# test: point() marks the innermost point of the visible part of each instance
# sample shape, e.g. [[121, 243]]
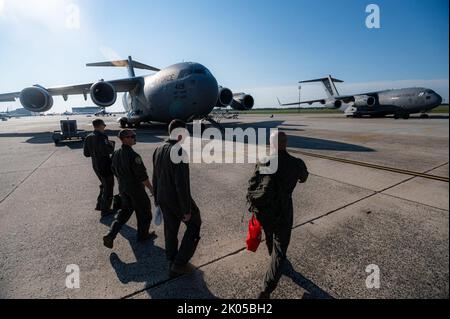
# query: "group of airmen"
[[170, 187]]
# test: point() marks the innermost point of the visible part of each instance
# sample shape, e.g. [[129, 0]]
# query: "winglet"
[[279, 103]]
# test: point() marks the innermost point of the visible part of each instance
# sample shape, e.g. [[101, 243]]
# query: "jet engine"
[[333, 104], [364, 100], [36, 99], [242, 102], [103, 94], [225, 97]]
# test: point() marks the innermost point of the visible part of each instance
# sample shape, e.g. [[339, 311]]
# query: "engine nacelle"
[[36, 99], [336, 104], [364, 100], [242, 102], [225, 97], [103, 94]]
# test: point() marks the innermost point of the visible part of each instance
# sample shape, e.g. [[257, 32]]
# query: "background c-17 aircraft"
[[399, 102], [186, 91]]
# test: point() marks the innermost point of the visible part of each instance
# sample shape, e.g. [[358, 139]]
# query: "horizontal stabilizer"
[[130, 64], [328, 84], [124, 63], [321, 80]]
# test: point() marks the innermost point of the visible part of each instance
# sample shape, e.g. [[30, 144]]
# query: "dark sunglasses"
[[131, 136]]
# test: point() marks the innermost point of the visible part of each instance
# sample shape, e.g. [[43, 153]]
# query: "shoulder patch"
[[138, 160]]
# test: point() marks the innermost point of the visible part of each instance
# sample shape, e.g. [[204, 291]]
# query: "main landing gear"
[[402, 115]]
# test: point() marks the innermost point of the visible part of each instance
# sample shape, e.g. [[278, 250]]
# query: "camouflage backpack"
[[262, 198]]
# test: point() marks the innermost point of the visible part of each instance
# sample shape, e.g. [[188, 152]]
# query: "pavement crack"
[[310, 221], [26, 177]]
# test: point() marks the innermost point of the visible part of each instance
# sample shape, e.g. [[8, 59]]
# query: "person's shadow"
[[191, 286], [151, 268], [150, 261], [312, 290]]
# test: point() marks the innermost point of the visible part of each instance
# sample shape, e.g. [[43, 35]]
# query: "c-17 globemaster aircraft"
[[186, 91], [399, 102]]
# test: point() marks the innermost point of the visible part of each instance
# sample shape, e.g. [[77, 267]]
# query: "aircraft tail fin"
[[130, 64], [328, 83]]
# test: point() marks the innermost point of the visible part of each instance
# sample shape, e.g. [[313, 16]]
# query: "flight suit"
[[130, 171], [171, 187], [291, 170], [99, 149]]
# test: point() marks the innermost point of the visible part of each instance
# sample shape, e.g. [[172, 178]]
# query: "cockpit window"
[[184, 73], [200, 71]]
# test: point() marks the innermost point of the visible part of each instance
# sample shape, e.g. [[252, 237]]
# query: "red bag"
[[254, 234]]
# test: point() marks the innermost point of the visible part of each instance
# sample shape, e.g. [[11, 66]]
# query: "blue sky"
[[263, 47]]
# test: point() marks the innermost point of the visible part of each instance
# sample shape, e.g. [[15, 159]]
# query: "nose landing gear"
[[123, 122]]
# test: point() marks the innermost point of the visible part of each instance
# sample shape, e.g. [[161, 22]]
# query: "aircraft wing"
[[343, 98], [302, 102], [123, 85], [9, 97], [351, 98]]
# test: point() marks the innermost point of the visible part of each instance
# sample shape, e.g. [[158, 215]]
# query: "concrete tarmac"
[[347, 217]]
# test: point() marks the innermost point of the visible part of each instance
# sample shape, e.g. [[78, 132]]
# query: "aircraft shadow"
[[147, 134], [46, 138], [301, 142], [312, 290], [151, 268], [142, 136], [438, 117]]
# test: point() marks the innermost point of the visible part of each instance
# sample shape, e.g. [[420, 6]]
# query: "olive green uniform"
[[99, 149], [291, 170], [171, 186], [130, 171]]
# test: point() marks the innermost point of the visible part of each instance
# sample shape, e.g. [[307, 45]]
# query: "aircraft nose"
[[438, 99], [207, 94]]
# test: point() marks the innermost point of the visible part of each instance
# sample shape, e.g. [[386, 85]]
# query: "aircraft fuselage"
[[400, 102], [185, 91]]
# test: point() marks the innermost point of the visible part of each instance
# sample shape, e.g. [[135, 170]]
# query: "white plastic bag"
[[158, 216]]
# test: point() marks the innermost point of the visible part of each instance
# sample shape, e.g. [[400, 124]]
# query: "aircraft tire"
[[424, 116], [405, 116], [123, 124]]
